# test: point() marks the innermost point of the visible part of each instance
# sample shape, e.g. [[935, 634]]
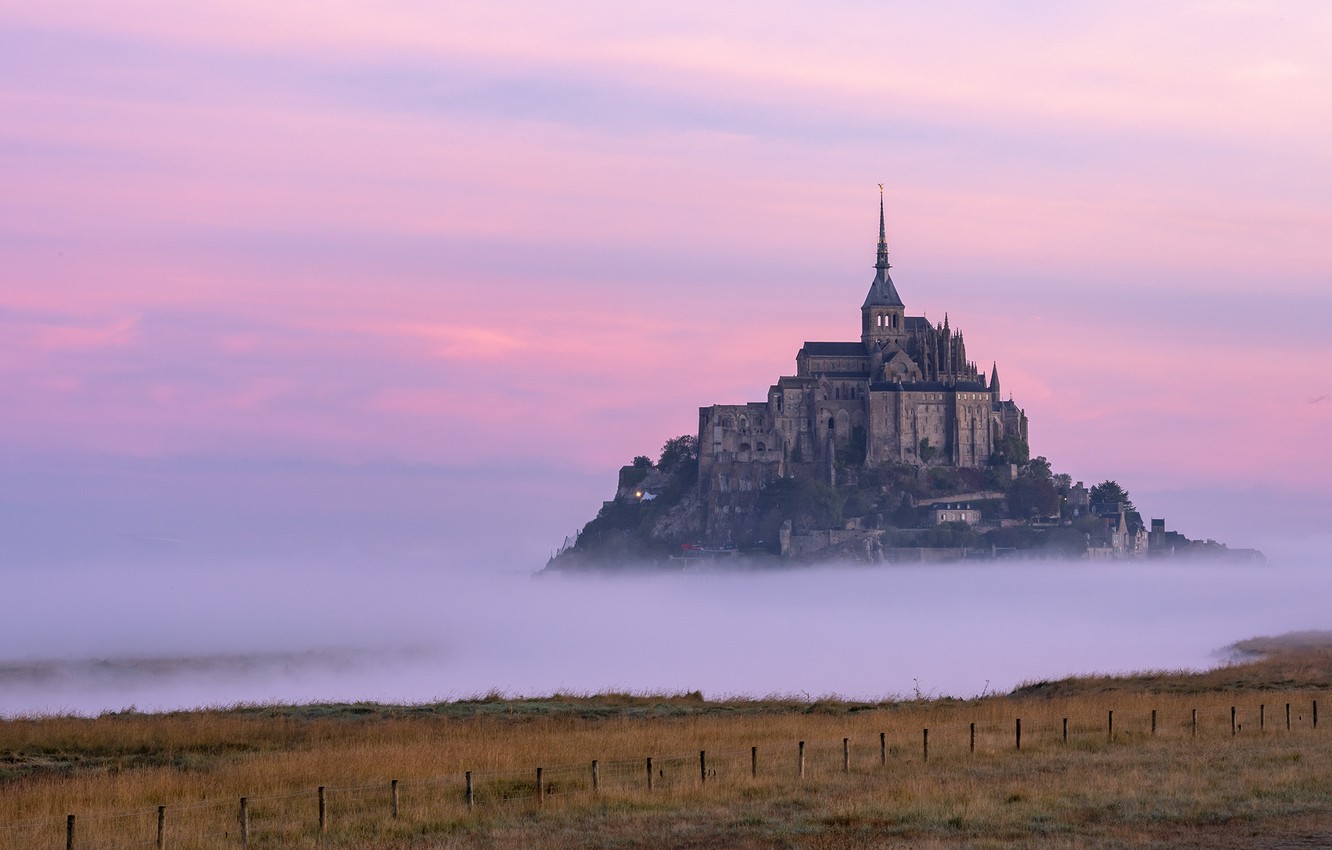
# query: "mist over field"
[[180, 585], [161, 585], [88, 640]]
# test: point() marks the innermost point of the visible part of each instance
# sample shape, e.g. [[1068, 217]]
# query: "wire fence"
[[301, 817]]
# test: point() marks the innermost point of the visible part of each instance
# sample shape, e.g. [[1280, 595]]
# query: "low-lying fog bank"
[[90, 640]]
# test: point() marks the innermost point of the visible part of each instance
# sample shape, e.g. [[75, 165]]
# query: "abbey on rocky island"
[[904, 393]]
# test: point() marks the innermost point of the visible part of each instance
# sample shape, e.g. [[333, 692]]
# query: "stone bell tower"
[[882, 316]]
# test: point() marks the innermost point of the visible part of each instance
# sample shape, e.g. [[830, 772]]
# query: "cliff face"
[[656, 515], [652, 515], [899, 513]]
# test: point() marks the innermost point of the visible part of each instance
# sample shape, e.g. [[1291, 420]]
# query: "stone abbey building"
[[904, 393]]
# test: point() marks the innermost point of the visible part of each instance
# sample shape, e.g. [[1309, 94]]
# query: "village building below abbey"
[[904, 393]]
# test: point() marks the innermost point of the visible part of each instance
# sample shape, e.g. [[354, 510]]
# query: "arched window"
[[744, 447], [763, 447]]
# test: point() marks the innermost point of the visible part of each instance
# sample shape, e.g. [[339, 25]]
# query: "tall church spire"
[[882, 292], [883, 238], [882, 316]]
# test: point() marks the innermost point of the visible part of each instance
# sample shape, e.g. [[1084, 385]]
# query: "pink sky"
[[532, 239]]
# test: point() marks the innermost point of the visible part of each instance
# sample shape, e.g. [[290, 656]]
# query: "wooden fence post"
[[596, 778], [753, 762], [846, 755], [1232, 720], [1262, 717], [161, 828], [471, 797], [702, 767], [1287, 717], [323, 811], [1065, 730], [1110, 726], [1018, 732], [649, 772], [540, 789], [393, 798], [69, 832], [1315, 714], [925, 745], [801, 760], [883, 749], [245, 823], [973, 737], [1194, 722], [1153, 721]]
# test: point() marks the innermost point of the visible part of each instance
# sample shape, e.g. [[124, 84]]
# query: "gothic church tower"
[[882, 316], [905, 393]]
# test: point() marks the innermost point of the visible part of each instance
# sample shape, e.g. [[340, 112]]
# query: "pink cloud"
[[560, 275], [118, 333], [460, 342]]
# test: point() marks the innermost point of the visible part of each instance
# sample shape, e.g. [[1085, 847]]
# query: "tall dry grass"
[[1121, 784]]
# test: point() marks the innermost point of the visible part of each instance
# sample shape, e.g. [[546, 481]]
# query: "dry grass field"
[[868, 781]]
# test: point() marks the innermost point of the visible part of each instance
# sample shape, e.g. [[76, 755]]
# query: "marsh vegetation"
[[1114, 781]]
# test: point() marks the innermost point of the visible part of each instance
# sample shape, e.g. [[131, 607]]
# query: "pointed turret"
[[882, 292], [994, 381], [882, 314], [882, 261]]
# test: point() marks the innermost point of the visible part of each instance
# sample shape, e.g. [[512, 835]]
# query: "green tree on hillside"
[[1109, 492], [853, 453], [677, 453], [1011, 450], [1033, 494], [906, 515], [808, 503]]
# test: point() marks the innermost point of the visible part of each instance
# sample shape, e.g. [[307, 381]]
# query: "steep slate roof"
[[835, 349], [882, 293]]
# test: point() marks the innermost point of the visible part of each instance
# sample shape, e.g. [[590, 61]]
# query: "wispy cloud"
[[83, 337]]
